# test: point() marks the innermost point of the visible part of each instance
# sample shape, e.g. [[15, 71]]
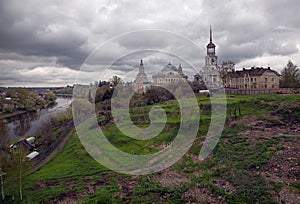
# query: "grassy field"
[[241, 168]]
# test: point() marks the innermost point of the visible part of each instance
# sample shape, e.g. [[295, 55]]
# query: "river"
[[29, 123]]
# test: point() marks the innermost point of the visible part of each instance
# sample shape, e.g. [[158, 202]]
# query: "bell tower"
[[210, 74], [211, 58]]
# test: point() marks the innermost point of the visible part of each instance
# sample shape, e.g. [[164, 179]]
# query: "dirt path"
[[57, 149]]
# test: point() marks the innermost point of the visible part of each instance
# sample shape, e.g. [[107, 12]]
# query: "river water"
[[29, 123]]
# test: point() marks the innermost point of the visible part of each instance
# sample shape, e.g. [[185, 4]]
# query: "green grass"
[[72, 161], [234, 159]]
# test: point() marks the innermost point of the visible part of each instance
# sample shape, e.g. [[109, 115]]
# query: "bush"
[[156, 94]]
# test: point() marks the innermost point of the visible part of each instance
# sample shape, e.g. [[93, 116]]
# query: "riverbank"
[[8, 115], [23, 123], [21, 112]]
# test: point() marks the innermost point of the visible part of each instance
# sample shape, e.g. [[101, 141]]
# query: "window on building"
[[266, 79], [266, 86], [251, 79], [273, 80], [255, 79]]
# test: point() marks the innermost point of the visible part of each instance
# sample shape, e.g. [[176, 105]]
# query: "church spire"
[[210, 39], [141, 67]]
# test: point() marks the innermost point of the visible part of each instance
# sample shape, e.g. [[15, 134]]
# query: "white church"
[[210, 73], [168, 74]]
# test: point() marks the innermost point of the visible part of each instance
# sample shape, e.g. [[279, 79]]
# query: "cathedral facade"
[[169, 74], [210, 73]]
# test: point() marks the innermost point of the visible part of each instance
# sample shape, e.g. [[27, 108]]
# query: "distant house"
[[32, 155], [24, 143], [253, 78]]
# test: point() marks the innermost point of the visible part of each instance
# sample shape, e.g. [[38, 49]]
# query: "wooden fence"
[[262, 91]]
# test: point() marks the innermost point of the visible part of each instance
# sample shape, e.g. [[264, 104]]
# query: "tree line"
[[22, 99]]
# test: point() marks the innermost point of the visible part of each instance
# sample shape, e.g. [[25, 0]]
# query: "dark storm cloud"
[[46, 35], [39, 32]]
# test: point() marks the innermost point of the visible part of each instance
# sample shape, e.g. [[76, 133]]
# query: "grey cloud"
[[64, 33]]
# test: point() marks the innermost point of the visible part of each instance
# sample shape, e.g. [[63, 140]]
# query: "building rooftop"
[[169, 67], [253, 71]]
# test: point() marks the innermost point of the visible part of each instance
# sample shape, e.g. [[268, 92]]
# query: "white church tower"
[[211, 58], [210, 72], [141, 78]]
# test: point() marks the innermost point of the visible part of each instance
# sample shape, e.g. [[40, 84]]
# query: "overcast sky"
[[45, 43]]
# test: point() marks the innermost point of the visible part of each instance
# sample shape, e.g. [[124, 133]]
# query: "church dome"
[[169, 67], [210, 44]]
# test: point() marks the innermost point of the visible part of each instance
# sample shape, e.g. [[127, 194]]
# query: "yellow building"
[[253, 78]]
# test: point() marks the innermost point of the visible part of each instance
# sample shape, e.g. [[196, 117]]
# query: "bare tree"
[[5, 151], [290, 76], [2, 188], [226, 68], [115, 80]]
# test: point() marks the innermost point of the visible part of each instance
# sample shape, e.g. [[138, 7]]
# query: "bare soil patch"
[[288, 196], [127, 186], [222, 183], [170, 178], [201, 195]]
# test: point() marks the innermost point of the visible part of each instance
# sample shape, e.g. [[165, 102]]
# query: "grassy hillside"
[[256, 160]]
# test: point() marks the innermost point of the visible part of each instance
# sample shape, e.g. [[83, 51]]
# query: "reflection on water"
[[29, 123]]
